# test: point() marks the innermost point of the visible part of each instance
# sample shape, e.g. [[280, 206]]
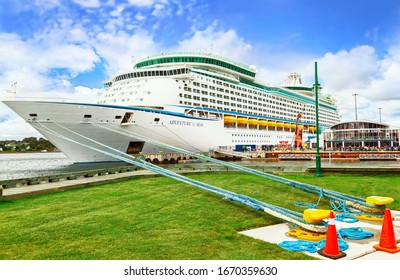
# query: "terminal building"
[[361, 135]]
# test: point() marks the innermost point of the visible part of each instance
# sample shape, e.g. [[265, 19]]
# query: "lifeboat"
[[312, 128], [253, 121], [271, 123], [262, 123], [229, 119], [242, 120], [287, 125], [279, 124]]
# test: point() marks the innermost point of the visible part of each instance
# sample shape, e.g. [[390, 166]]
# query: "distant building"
[[361, 135]]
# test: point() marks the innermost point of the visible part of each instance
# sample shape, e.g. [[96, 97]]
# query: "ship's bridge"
[[203, 60]]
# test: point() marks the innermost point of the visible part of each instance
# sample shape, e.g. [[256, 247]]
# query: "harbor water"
[[28, 165]]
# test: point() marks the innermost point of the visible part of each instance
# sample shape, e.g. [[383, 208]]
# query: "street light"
[[355, 103], [318, 172]]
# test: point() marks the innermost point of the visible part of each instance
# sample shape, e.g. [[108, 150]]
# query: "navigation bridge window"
[[202, 114], [152, 73]]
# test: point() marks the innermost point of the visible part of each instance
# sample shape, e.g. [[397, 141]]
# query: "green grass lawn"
[[159, 218]]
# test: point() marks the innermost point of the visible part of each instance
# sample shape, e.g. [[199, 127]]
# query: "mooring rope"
[[309, 204], [329, 194], [259, 205], [355, 233]]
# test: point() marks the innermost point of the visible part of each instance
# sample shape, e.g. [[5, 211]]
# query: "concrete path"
[[19, 192], [358, 249], [63, 185]]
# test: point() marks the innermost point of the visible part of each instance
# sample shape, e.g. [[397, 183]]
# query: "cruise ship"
[[196, 101]]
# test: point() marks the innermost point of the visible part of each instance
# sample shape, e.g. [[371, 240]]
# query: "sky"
[[67, 48]]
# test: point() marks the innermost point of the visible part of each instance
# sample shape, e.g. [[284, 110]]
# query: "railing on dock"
[[22, 182]]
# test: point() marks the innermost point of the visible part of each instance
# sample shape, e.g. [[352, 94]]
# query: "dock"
[[25, 187]]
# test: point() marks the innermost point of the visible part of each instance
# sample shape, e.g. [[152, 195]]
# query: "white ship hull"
[[68, 127]]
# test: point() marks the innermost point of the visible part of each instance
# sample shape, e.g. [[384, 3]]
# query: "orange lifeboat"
[[242, 120], [253, 121], [262, 123], [229, 119]]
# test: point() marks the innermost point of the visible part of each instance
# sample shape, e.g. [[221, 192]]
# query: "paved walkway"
[[43, 188], [19, 192], [358, 249]]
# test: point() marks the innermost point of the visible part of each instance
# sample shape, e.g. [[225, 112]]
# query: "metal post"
[[380, 115], [355, 103], [318, 172]]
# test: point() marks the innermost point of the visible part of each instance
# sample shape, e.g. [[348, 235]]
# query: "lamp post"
[[355, 103], [380, 115], [318, 172]]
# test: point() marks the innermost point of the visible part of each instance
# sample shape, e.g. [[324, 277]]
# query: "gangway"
[[287, 215], [336, 198]]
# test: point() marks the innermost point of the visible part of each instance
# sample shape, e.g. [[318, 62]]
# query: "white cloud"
[[88, 3], [139, 17], [141, 3], [15, 128], [118, 49], [159, 9], [32, 65], [354, 68], [18, 54], [211, 40], [118, 11], [85, 94], [360, 71], [78, 34]]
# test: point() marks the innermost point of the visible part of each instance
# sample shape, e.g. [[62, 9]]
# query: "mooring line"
[[279, 212]]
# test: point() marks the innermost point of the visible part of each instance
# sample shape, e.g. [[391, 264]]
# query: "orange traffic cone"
[[331, 249], [387, 242]]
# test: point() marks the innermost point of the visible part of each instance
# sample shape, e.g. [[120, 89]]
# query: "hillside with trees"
[[30, 144]]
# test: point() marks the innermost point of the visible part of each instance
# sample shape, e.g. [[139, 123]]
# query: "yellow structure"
[[241, 120], [379, 200], [315, 215], [229, 119]]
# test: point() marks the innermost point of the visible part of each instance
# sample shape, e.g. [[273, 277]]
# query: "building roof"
[[382, 125]]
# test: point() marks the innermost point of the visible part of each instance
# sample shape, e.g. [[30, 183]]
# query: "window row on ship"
[[207, 78], [274, 102], [278, 107], [264, 109]]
